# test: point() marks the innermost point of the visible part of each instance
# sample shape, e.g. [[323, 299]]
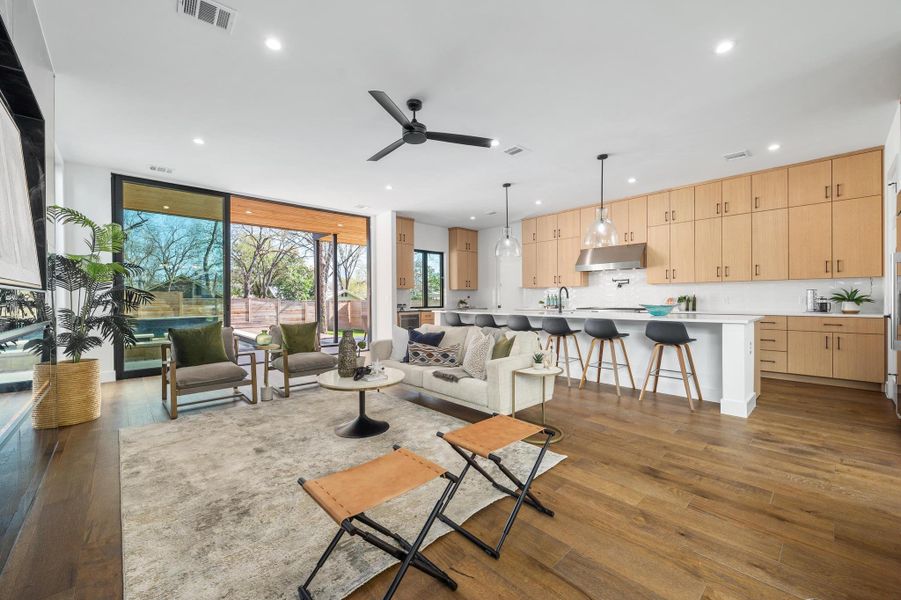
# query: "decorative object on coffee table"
[[362, 426], [347, 354], [264, 338]]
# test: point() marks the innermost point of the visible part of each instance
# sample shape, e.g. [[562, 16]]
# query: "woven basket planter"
[[74, 395]]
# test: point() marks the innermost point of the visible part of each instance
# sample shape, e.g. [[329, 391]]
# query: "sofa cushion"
[[193, 346], [502, 347], [453, 336], [470, 389], [307, 362], [418, 337], [210, 374], [300, 337], [526, 342], [477, 356], [433, 356], [413, 374], [399, 339]]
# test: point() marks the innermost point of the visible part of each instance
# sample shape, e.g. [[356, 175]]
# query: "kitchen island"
[[724, 353]]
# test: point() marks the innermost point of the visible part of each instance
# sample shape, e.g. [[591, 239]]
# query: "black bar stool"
[[452, 319], [520, 323], [604, 331], [486, 321], [669, 333], [558, 327]]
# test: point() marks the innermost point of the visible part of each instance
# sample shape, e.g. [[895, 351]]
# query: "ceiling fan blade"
[[389, 105], [456, 138], [387, 150]]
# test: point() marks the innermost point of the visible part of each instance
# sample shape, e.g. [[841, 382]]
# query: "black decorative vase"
[[347, 355]]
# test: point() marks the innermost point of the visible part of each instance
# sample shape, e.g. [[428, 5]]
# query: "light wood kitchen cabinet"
[[737, 195], [530, 265], [529, 231], [404, 227], [658, 254], [463, 240], [769, 190], [682, 205], [404, 266], [709, 200], [568, 250], [638, 220], [546, 261], [586, 218], [658, 209], [619, 214], [774, 361], [708, 250], [857, 237], [769, 245], [859, 357], [736, 247], [773, 340], [810, 353], [569, 224], [682, 252], [547, 228], [810, 183], [857, 176], [810, 241], [463, 258]]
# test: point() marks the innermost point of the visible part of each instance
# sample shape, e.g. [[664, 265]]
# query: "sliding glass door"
[[175, 235]]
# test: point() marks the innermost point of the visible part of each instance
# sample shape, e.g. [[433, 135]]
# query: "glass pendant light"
[[602, 231], [508, 246]]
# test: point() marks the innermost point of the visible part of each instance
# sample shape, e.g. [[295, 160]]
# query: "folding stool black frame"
[[522, 493], [407, 553]]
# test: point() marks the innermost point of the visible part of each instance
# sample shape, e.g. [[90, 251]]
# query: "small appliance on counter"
[[818, 304]]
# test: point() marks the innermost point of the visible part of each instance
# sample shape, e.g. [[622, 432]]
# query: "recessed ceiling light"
[[538, 202], [725, 46], [472, 218], [199, 141], [361, 206], [495, 143], [248, 212], [773, 147], [631, 180], [340, 224], [389, 187], [165, 207], [273, 43]]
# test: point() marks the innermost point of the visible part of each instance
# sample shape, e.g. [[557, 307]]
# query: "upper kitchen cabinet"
[[463, 258], [810, 183], [810, 241], [769, 189], [682, 252], [530, 265], [638, 220], [708, 250], [857, 237], [769, 245], [568, 250], [569, 224], [404, 252], [737, 195], [529, 231], [709, 200], [619, 215], [658, 254], [546, 264], [682, 205], [857, 176], [547, 228], [463, 240], [736, 247], [404, 228], [658, 209]]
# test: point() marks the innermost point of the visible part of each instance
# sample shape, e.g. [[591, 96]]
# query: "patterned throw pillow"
[[477, 355], [424, 355]]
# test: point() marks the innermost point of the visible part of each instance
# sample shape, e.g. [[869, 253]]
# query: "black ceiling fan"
[[414, 132]]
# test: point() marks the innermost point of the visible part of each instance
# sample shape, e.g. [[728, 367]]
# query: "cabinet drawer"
[[837, 324], [772, 339], [770, 322], [773, 361]]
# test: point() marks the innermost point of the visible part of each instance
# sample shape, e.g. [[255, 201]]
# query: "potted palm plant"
[[851, 300], [98, 309]]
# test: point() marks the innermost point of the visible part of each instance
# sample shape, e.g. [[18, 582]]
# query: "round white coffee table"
[[362, 426]]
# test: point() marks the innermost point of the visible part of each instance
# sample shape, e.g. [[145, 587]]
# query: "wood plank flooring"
[[802, 500]]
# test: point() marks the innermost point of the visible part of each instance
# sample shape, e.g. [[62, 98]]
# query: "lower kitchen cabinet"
[[858, 356], [810, 353]]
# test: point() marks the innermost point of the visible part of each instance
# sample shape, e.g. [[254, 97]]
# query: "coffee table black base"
[[362, 426]]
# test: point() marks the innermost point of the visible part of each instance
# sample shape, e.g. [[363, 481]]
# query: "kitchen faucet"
[[560, 298]]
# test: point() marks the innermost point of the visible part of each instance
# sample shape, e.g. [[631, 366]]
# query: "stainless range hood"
[[611, 258]]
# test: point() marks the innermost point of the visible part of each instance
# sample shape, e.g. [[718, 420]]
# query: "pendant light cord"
[[602, 184], [507, 207]]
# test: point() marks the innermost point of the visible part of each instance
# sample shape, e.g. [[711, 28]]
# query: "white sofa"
[[494, 394]]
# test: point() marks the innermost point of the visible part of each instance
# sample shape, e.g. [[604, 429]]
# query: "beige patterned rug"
[[211, 508]]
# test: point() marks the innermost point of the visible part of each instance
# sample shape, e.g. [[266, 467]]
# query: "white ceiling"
[[567, 79]]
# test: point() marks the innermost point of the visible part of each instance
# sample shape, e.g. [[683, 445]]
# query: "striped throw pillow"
[[424, 355]]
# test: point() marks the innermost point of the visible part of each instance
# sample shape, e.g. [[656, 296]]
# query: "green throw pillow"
[[299, 338], [502, 347], [198, 345]]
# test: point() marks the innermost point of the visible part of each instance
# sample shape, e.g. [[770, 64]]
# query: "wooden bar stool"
[[605, 332], [347, 495], [670, 333], [558, 328], [484, 439]]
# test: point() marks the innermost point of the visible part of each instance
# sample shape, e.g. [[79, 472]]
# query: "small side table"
[[541, 374], [268, 349]]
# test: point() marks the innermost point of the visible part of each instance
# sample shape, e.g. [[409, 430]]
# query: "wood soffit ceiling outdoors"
[[351, 229]]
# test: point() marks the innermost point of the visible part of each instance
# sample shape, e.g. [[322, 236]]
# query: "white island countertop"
[[685, 317]]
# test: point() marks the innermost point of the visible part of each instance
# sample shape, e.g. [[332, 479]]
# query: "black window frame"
[[424, 283]]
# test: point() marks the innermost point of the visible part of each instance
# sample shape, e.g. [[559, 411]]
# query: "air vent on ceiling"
[[737, 155], [516, 150], [211, 13], [160, 169]]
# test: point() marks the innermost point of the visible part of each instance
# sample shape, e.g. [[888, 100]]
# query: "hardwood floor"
[[802, 500]]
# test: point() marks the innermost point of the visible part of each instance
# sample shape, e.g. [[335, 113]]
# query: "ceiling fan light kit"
[[602, 231], [508, 246]]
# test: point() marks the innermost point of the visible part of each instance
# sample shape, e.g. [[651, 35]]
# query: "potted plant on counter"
[[98, 303], [851, 300]]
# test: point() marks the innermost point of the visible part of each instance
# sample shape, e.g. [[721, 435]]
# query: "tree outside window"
[[428, 277]]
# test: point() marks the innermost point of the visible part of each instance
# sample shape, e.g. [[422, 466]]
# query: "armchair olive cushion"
[[300, 337], [194, 346]]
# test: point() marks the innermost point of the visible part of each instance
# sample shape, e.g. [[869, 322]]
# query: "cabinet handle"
[[717, 271], [839, 340], [838, 265], [717, 208], [827, 266], [827, 191], [672, 215], [534, 280], [832, 325], [838, 190], [827, 341], [674, 274], [725, 207], [768, 340], [632, 238], [667, 273], [768, 361], [756, 201], [757, 269], [666, 216], [768, 322]]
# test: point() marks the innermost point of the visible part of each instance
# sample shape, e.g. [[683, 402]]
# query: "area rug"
[[211, 508]]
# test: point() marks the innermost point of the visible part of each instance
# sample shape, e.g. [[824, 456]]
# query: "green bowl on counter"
[[659, 310]]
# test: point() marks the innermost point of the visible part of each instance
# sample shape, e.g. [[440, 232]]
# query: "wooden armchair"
[[183, 381], [300, 364]]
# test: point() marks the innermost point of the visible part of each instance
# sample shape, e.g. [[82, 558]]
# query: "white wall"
[[382, 287]]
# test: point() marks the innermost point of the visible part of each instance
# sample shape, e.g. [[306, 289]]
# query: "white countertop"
[[685, 317]]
